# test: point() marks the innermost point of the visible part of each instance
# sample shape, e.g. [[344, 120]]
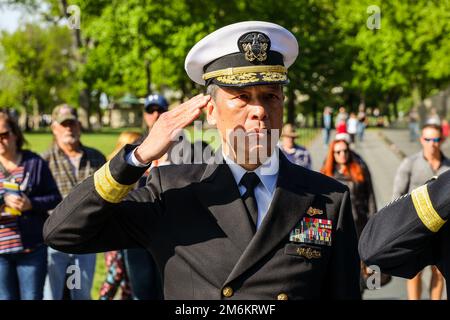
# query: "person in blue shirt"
[[327, 124], [295, 153]]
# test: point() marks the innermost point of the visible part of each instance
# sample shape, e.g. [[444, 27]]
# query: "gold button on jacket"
[[227, 292], [282, 296]]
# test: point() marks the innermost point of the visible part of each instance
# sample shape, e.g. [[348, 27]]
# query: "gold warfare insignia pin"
[[313, 212]]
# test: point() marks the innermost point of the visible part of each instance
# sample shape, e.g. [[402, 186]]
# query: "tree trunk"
[[40, 111], [418, 102], [445, 94], [148, 76], [315, 111], [349, 101], [25, 103], [97, 108], [386, 108], [35, 115], [76, 32], [85, 103], [183, 89], [395, 101], [84, 97], [99, 115]]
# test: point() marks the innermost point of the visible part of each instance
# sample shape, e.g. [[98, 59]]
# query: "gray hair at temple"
[[211, 90]]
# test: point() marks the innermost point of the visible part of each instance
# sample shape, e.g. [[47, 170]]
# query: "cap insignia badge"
[[254, 45]]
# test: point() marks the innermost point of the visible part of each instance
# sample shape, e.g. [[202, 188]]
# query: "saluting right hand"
[[167, 127]]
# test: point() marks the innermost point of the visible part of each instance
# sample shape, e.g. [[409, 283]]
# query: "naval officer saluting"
[[248, 225]]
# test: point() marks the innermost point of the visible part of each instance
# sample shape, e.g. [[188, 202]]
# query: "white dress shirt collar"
[[267, 172]]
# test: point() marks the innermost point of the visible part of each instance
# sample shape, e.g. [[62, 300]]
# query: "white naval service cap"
[[243, 54]]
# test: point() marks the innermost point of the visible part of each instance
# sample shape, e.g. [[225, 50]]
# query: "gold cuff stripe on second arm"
[[238, 70], [107, 187], [425, 210]]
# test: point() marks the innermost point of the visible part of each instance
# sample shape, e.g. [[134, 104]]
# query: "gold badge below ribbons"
[[309, 253], [424, 208], [107, 187]]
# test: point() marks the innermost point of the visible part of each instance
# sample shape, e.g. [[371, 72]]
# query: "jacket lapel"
[[219, 193], [289, 204]]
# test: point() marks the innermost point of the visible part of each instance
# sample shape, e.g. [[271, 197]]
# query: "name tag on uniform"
[[303, 251], [312, 230]]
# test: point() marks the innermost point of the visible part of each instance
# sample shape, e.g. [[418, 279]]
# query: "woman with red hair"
[[347, 167]]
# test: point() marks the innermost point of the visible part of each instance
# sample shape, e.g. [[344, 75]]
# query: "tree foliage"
[[36, 69], [139, 46]]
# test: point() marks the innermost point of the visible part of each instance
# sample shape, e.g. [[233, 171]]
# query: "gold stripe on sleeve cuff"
[[107, 187], [424, 208]]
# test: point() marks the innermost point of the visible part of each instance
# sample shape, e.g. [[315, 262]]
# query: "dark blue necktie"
[[250, 181]]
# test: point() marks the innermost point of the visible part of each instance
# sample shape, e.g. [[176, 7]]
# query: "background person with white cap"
[[258, 227]]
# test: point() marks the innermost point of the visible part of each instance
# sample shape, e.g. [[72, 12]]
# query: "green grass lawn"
[[105, 141], [40, 142]]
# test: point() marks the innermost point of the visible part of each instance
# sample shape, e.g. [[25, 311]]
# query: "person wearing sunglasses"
[[346, 166], [413, 172], [154, 106], [349, 168]]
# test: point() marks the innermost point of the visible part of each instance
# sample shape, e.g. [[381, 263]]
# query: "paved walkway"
[[383, 163]]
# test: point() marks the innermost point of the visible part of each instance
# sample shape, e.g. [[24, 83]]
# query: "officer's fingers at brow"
[[196, 100], [193, 103], [184, 106], [197, 113], [193, 99], [170, 122], [193, 115], [183, 113], [201, 103], [182, 121], [205, 101], [172, 113], [187, 118]]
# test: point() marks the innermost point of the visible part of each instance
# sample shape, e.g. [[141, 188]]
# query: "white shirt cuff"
[[131, 160]]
